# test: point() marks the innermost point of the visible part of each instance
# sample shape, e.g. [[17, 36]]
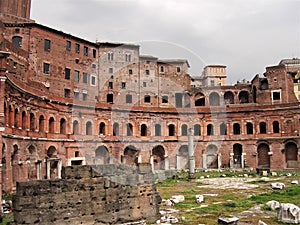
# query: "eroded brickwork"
[[108, 194]]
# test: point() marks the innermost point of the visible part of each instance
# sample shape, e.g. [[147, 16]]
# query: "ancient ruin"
[[68, 101], [103, 194]]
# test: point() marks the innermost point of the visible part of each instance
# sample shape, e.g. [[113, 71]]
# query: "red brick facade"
[[68, 101]]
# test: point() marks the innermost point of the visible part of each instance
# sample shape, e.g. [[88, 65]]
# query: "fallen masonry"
[[103, 194]]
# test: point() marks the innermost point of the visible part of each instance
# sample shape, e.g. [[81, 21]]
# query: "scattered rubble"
[[273, 204], [177, 199], [289, 213], [231, 221], [199, 198], [294, 182], [277, 186]]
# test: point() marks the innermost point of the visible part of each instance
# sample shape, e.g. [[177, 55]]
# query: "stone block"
[[289, 213], [273, 204], [277, 186]]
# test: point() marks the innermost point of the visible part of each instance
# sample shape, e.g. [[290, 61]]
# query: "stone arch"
[[63, 126], [102, 155], [52, 152], [116, 128], [130, 156], [158, 156], [244, 97], [291, 155], [75, 127], [171, 129], [32, 122], [88, 128], [53, 163], [236, 128], [199, 99], [41, 123], [102, 128], [24, 120], [184, 129], [144, 130], [237, 155], [263, 156], [264, 84], [211, 156], [182, 159], [214, 99], [229, 97], [51, 126]]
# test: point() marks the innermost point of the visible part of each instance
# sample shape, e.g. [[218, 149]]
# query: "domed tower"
[[15, 10]]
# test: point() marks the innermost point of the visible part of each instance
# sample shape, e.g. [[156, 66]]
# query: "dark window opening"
[[210, 129], [197, 130], [249, 128], [143, 130], [68, 45], [123, 85], [276, 95], [102, 129], [165, 99], [157, 130], [129, 129], [46, 68], [94, 53], [47, 45], [184, 130], [85, 51], [223, 129], [84, 96], [128, 98], [67, 93], [276, 128], [67, 74], [77, 48], [17, 41], [236, 128], [109, 98], [147, 72], [171, 130], [116, 129], [110, 85], [147, 99], [262, 127], [76, 76]]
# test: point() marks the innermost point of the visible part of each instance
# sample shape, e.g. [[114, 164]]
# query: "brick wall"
[[108, 194]]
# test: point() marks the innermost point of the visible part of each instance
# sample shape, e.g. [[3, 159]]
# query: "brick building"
[[69, 101]]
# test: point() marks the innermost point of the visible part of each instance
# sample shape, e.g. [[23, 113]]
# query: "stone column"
[[219, 161], [204, 161], [191, 153]]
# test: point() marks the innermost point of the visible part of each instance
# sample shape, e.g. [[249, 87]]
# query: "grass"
[[228, 202]]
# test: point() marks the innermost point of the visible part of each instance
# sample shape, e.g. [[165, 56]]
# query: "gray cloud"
[[245, 35]]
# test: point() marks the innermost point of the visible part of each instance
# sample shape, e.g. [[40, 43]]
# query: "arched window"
[[24, 120], [51, 125], [102, 128], [244, 97], [88, 128], [262, 128], [236, 128], [197, 130], [249, 128], [41, 124], [214, 99], [32, 122], [223, 129], [210, 129], [129, 129], [184, 130], [229, 97], [17, 41], [16, 118], [199, 99], [143, 130], [75, 127], [171, 129], [276, 128], [116, 129], [63, 126], [11, 116], [157, 130]]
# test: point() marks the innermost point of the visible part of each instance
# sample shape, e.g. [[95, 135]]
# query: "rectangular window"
[[85, 51], [128, 98], [84, 96], [212, 83], [128, 57], [110, 70], [178, 69], [67, 73], [165, 99], [46, 68], [147, 99], [110, 85], [85, 78], [276, 95], [110, 56], [47, 45], [123, 85], [93, 80], [76, 76], [130, 71], [76, 95], [162, 69], [77, 48], [93, 65], [67, 93], [94, 53], [68, 45], [147, 72], [144, 84]]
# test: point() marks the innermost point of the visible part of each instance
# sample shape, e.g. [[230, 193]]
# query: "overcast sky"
[[244, 35]]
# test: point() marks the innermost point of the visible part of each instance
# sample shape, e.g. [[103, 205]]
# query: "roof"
[[174, 61], [148, 57], [222, 66]]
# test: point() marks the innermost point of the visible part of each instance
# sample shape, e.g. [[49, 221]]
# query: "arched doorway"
[[158, 154], [15, 160], [263, 156], [101, 156], [237, 155], [33, 164], [54, 164], [291, 155], [131, 155], [182, 158], [211, 157]]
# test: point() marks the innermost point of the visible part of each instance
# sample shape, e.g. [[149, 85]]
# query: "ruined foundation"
[[104, 194]]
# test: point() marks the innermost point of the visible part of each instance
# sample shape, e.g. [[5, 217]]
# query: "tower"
[[15, 10]]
